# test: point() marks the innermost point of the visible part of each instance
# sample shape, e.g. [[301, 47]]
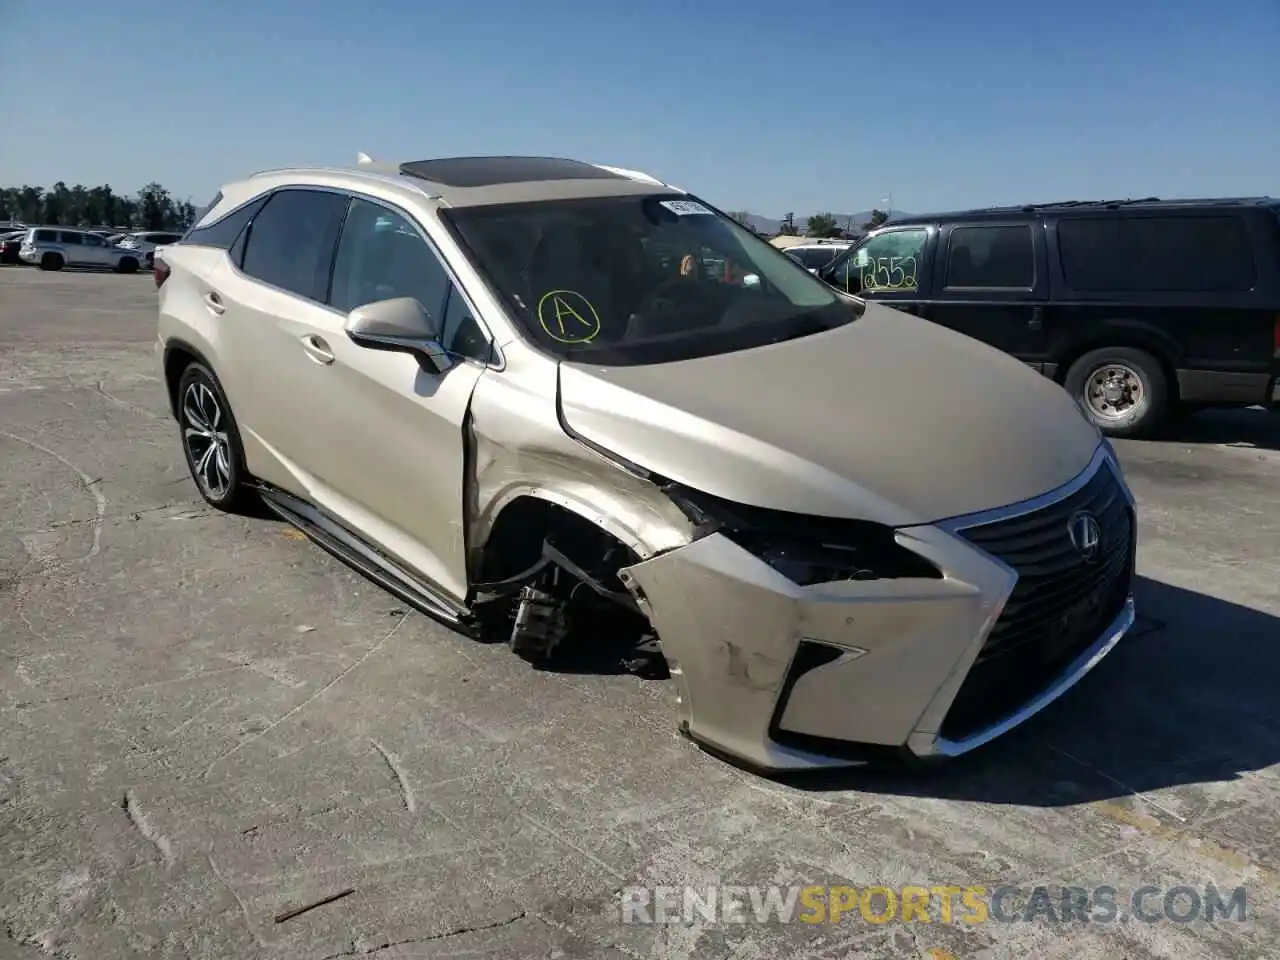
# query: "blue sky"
[[757, 104]]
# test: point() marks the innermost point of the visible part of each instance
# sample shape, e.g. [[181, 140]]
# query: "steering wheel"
[[692, 285]]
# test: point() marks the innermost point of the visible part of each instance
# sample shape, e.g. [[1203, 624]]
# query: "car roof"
[[1145, 204], [471, 181]]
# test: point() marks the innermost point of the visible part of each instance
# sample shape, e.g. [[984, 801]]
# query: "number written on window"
[[890, 262]]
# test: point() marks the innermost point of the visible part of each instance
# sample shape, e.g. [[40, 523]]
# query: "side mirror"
[[403, 325]]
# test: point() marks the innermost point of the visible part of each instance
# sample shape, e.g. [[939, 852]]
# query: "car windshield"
[[642, 279]]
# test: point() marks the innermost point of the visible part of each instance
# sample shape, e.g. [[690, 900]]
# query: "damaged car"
[[487, 384]]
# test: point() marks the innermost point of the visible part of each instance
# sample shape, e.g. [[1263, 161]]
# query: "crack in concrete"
[[126, 405], [139, 820], [90, 483], [406, 791], [448, 934], [307, 702]]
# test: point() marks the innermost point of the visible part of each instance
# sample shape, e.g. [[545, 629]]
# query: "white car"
[[52, 248], [146, 242], [813, 257]]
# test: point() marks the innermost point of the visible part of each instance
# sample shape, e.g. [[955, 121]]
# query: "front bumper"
[[782, 677]]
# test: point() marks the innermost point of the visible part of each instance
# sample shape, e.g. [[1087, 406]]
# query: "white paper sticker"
[[685, 208], [862, 259]]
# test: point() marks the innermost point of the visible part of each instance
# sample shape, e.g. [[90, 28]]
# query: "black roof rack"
[[981, 213], [463, 172]]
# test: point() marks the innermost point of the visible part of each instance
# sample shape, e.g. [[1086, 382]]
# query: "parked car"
[[813, 257], [147, 241], [10, 243], [53, 248], [487, 384], [1140, 309]]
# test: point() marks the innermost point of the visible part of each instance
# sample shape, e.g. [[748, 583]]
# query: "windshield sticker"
[[568, 317], [686, 208]]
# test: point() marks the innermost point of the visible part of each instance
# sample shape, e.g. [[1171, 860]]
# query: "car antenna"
[[367, 162]]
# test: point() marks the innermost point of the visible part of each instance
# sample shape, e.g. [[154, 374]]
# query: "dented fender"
[[517, 448]]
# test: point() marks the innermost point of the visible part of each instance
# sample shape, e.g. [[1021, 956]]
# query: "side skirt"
[[364, 558]]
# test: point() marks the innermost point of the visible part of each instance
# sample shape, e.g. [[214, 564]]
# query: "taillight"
[[1275, 334], [160, 270]]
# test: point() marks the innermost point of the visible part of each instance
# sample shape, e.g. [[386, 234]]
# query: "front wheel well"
[[1161, 356], [548, 581], [515, 541]]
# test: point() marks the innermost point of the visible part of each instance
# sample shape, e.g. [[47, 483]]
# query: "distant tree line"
[[822, 225], [151, 208]]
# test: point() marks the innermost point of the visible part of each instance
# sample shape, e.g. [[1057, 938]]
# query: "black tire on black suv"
[[1123, 390], [207, 423]]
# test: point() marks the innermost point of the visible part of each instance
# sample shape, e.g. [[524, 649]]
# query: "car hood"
[[890, 418]]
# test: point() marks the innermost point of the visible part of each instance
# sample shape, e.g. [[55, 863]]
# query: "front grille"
[[1060, 605]]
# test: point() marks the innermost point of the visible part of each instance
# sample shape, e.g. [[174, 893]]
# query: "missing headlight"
[[806, 549]]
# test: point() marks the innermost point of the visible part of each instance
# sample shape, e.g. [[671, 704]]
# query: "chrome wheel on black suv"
[[1121, 389], [210, 439]]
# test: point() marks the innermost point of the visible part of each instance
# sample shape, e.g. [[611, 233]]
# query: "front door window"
[[889, 262]]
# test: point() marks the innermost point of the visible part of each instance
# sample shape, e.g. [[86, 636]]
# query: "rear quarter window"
[[1175, 254], [44, 236], [222, 233]]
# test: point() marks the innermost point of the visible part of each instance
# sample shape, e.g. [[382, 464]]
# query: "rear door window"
[[1156, 254], [290, 242], [71, 238], [991, 257]]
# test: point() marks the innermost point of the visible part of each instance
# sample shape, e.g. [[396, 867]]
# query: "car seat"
[[560, 262]]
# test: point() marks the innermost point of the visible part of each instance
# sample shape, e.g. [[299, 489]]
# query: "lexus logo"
[[1086, 535]]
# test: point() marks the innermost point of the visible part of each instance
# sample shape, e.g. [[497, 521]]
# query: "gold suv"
[[573, 406]]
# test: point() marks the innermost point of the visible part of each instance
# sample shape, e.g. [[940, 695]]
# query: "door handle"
[[214, 303], [317, 349], [1037, 319]]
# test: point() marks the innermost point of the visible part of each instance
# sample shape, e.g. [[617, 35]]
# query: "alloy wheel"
[[204, 434]]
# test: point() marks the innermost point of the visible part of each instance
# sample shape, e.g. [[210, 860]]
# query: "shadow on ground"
[[1255, 428], [1188, 697]]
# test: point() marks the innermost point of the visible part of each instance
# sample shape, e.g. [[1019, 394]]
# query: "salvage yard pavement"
[[217, 741]]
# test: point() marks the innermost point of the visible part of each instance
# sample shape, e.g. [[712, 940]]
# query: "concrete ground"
[[206, 722]]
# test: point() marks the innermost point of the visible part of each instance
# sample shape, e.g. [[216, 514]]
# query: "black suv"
[[1139, 308]]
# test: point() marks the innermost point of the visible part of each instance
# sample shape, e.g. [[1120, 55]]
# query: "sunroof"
[[489, 171]]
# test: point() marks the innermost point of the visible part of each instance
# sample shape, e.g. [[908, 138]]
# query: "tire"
[[151, 261], [127, 265], [1122, 389], [52, 261], [214, 454]]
